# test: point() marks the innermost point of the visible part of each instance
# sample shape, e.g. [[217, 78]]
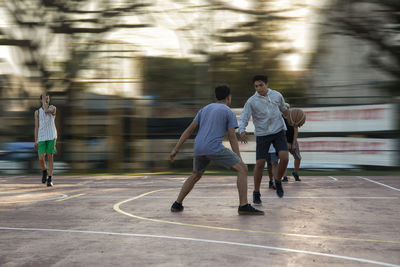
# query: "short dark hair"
[[222, 92], [46, 94], [260, 77]]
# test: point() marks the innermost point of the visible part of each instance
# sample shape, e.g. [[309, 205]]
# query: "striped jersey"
[[47, 127]]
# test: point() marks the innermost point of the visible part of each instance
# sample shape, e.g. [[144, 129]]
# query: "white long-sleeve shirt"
[[266, 112]]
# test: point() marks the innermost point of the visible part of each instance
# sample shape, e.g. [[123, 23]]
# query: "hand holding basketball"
[[296, 117]]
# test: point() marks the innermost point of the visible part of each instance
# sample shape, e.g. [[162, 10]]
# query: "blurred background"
[[127, 77]]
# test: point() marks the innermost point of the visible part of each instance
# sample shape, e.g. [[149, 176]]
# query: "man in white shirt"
[[46, 136], [266, 107]]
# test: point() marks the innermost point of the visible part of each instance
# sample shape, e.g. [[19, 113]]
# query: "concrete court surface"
[[104, 220]]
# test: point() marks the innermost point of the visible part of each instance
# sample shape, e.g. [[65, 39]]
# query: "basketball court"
[[125, 220]]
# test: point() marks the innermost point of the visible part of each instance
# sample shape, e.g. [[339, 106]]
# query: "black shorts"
[[263, 143]]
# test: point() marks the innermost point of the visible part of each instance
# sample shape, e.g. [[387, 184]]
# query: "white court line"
[[232, 197], [144, 183], [207, 241], [291, 197], [385, 185], [333, 178]]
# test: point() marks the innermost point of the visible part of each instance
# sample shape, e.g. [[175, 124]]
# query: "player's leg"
[[228, 159], [50, 160], [283, 161], [271, 183], [199, 166], [285, 178], [262, 146], [51, 150], [244, 207], [188, 186], [270, 174], [258, 172], [297, 161], [280, 145], [42, 161], [274, 169], [241, 170]]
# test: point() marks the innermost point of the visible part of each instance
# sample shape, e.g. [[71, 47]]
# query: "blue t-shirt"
[[214, 121]]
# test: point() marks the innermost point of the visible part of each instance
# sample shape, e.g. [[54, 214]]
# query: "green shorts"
[[48, 147]]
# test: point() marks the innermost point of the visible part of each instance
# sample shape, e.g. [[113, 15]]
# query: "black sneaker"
[[296, 176], [279, 189], [44, 176], [285, 179], [249, 210], [49, 182], [257, 198], [176, 207], [271, 185]]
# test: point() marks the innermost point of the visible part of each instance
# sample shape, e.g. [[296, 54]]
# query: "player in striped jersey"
[[46, 136]]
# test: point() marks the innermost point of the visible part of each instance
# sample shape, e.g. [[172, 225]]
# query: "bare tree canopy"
[[376, 22]]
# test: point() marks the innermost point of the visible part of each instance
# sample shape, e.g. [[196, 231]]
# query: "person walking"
[[45, 137]]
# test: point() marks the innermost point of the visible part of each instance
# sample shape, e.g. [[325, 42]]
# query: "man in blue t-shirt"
[[214, 120]]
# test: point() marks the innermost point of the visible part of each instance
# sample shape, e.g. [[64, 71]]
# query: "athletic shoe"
[[49, 182], [296, 176], [285, 179], [279, 189], [176, 207], [271, 185], [257, 198], [249, 210], [44, 176]]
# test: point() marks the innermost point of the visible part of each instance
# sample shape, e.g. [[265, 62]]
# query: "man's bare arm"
[[286, 113], [295, 134], [186, 134], [233, 141]]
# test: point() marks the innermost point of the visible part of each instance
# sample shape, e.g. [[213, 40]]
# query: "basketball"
[[296, 117]]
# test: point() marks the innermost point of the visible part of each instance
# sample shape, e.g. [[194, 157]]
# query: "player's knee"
[[283, 156], [197, 175], [240, 167], [41, 157], [260, 164], [194, 178], [243, 167]]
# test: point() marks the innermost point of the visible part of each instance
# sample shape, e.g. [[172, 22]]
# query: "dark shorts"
[[225, 157], [263, 143]]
